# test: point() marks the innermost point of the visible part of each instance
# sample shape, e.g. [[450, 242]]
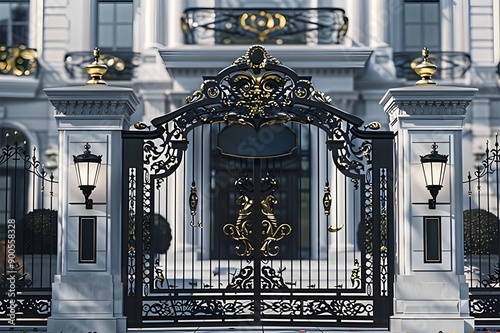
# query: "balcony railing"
[[264, 26], [451, 65], [120, 64], [18, 60]]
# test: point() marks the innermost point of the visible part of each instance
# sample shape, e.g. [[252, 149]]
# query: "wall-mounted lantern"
[[434, 167], [87, 167]]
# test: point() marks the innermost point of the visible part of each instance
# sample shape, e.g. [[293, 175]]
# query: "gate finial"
[[256, 57], [96, 70], [425, 69]]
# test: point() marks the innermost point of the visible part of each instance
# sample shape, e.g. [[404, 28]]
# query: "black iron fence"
[[264, 25], [28, 237], [481, 237]]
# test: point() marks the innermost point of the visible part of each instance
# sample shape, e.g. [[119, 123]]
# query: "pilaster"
[[90, 289], [429, 295]]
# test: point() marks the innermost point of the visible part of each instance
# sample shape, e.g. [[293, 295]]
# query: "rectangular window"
[[115, 25], [14, 22], [422, 25]]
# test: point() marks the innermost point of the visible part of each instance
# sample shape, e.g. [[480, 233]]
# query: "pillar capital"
[[422, 103], [93, 102], [427, 102]]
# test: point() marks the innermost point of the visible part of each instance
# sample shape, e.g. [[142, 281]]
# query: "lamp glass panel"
[[426, 167], [91, 173], [443, 170], [435, 172], [78, 174], [97, 168]]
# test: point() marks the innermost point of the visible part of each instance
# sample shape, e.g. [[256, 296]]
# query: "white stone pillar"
[[355, 16], [150, 22], [174, 31], [429, 295], [377, 23], [87, 294]]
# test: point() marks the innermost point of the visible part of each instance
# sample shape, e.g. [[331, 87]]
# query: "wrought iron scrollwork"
[[272, 231], [242, 230], [349, 155], [193, 204], [257, 90], [356, 275], [270, 26], [336, 307], [242, 279], [271, 279], [327, 199], [384, 236]]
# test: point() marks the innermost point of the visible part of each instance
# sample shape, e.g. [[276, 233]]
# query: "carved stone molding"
[[417, 108], [97, 108], [427, 101], [93, 102]]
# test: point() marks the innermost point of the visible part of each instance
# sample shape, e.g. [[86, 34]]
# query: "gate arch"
[[324, 257]]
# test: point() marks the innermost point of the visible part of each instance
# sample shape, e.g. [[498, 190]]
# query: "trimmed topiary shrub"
[[480, 232], [36, 232]]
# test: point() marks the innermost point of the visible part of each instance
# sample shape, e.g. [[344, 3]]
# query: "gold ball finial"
[[96, 70], [425, 69]]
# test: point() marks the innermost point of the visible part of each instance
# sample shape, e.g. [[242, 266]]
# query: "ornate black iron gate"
[[259, 221]]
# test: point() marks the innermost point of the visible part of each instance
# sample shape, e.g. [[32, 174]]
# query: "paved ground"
[[259, 329], [238, 329], [220, 329]]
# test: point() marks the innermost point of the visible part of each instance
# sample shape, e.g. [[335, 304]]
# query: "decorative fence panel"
[[481, 236], [28, 237]]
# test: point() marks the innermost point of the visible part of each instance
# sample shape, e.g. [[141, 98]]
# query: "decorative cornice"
[[428, 102], [425, 108], [189, 57], [93, 101], [93, 108]]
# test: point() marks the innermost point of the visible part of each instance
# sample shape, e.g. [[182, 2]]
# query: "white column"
[[354, 14], [377, 23], [87, 296], [150, 22], [429, 296], [174, 31], [447, 26]]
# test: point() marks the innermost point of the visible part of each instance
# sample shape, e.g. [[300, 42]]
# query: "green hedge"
[[480, 232]]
